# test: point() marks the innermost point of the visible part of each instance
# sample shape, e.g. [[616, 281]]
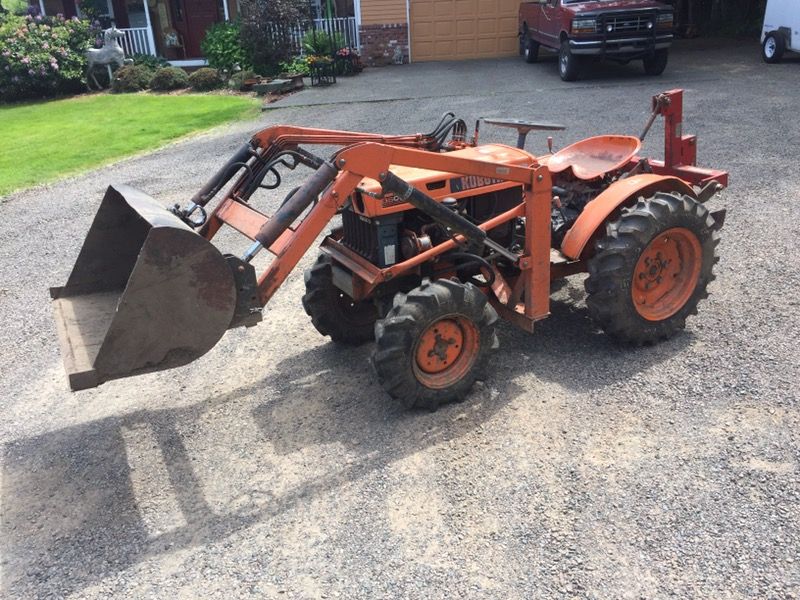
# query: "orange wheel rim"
[[446, 351], [666, 274]]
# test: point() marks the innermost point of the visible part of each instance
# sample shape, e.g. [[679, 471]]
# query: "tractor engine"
[[391, 238], [386, 230]]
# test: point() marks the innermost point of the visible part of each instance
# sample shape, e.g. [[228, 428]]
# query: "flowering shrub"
[[347, 53], [42, 56]]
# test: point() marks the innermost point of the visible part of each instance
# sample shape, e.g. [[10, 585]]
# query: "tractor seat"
[[595, 156]]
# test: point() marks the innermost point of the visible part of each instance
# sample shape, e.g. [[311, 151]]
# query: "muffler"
[[147, 293]]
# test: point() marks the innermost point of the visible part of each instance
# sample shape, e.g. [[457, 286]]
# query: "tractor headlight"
[[664, 21], [580, 25]]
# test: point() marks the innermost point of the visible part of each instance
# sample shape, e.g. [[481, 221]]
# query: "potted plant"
[[348, 61]]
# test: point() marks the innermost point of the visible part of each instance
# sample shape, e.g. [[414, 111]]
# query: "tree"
[[267, 30]]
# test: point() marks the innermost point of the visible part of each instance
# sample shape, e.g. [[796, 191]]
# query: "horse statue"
[[110, 53]]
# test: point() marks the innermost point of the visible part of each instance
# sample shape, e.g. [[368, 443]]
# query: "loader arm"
[[338, 180]]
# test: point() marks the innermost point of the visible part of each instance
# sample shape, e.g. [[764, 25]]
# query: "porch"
[[174, 29], [140, 40]]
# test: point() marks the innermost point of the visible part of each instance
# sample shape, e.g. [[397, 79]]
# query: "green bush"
[[205, 79], [15, 7], [169, 78], [42, 56], [223, 48], [131, 78], [151, 62], [299, 65], [237, 79], [322, 43]]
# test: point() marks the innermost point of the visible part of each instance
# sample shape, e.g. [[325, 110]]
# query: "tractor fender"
[[620, 193]]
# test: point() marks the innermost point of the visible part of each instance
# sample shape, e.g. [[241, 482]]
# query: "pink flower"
[[46, 46], [31, 72], [26, 60]]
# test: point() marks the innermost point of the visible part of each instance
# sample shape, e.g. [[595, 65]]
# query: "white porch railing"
[[137, 41], [346, 27]]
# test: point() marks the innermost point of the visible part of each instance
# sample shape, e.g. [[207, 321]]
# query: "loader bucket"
[[147, 293]]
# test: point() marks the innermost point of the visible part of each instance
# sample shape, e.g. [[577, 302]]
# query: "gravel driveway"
[[276, 467]]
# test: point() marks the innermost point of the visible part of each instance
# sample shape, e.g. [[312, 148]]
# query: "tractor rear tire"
[[652, 268], [333, 312], [773, 48], [434, 343], [655, 64]]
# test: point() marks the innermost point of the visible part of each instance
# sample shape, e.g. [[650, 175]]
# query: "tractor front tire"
[[652, 268], [434, 343], [568, 64], [655, 64], [333, 312], [773, 48]]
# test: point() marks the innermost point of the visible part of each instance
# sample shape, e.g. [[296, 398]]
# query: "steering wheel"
[[524, 127]]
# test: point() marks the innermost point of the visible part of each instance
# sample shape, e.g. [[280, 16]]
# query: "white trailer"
[[781, 31]]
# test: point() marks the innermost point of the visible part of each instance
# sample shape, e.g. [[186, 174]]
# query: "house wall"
[[383, 29], [381, 12]]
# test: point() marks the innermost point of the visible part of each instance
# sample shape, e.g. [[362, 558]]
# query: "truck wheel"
[[333, 312], [568, 63], [434, 343], [773, 48], [656, 63], [652, 268], [530, 49]]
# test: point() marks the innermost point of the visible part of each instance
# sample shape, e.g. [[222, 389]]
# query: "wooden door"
[[192, 18]]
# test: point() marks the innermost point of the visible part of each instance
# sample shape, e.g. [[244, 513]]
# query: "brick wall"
[[378, 43]]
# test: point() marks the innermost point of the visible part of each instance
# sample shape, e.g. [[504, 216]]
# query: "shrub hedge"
[[205, 79], [131, 78], [169, 78]]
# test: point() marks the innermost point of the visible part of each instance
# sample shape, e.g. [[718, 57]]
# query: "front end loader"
[[434, 236]]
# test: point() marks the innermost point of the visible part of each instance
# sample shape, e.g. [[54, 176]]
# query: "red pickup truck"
[[619, 30]]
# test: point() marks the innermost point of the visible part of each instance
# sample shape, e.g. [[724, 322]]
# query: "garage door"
[[460, 29]]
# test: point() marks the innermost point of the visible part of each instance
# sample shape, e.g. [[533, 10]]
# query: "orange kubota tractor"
[[438, 236]]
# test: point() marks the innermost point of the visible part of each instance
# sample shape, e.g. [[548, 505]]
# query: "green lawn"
[[43, 141]]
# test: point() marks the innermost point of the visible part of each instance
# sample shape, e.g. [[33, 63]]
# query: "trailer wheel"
[[568, 63], [434, 343], [773, 48], [656, 63], [530, 49], [652, 268], [333, 312]]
